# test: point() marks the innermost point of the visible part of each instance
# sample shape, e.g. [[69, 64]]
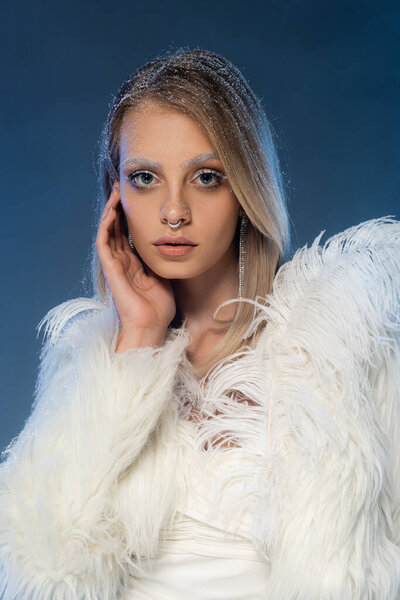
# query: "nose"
[[175, 210]]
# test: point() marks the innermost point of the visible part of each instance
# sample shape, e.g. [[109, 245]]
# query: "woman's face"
[[156, 185]]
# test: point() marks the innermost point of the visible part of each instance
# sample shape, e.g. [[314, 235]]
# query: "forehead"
[[154, 125]]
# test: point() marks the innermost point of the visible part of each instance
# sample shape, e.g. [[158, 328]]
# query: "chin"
[[176, 271], [172, 274]]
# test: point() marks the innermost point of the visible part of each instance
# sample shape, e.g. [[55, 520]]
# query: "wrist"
[[138, 339]]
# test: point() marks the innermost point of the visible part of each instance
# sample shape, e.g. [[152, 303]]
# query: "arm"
[[93, 413]]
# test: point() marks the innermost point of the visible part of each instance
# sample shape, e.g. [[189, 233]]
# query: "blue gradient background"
[[328, 76]]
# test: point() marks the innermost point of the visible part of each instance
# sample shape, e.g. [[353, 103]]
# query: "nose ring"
[[174, 225]]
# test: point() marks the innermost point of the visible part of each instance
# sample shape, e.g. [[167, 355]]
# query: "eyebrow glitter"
[[135, 160]]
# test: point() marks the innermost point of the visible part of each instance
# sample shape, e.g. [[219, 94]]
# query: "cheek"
[[219, 232], [140, 218]]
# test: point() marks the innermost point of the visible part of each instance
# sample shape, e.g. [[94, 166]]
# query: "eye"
[[207, 175], [145, 179], [142, 180]]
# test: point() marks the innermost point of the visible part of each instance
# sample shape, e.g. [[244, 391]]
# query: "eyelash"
[[131, 176]]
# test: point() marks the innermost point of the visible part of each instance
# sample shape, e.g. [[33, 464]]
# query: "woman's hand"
[[144, 302]]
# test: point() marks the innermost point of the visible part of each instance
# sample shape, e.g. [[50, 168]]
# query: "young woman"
[[217, 421]]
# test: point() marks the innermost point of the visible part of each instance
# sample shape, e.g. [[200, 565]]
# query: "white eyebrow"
[[139, 160]]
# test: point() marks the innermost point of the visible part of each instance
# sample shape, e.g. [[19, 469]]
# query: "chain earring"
[[242, 250], [130, 241]]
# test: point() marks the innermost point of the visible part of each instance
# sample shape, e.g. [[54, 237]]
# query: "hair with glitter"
[[210, 89]]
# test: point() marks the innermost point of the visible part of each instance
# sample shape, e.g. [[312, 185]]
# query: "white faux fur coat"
[[88, 483]]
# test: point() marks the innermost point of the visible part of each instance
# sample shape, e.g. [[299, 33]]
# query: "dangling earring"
[[130, 241], [242, 250]]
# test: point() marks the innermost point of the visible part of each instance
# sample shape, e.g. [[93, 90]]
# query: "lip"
[[174, 239], [178, 250]]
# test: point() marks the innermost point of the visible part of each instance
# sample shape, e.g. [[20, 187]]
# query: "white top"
[[200, 558]]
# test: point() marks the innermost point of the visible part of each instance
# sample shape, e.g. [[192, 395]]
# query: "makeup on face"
[[175, 250], [174, 245], [153, 182]]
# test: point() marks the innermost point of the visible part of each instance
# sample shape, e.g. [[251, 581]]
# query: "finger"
[[102, 239], [108, 222], [106, 212], [113, 200], [103, 230], [108, 207]]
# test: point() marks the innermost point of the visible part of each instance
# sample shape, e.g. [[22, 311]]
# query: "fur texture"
[[96, 472]]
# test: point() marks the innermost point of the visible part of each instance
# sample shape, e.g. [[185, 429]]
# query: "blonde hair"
[[211, 90]]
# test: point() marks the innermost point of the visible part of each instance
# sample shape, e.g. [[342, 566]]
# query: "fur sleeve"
[[386, 394], [93, 412], [333, 461]]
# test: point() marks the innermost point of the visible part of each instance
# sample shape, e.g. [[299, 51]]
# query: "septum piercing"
[[174, 225]]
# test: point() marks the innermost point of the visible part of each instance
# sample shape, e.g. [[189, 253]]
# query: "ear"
[[241, 211]]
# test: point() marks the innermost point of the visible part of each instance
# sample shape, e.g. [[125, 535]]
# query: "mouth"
[[174, 240], [176, 250]]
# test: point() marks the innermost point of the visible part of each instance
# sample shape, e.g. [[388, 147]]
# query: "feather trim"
[[317, 461], [57, 318]]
